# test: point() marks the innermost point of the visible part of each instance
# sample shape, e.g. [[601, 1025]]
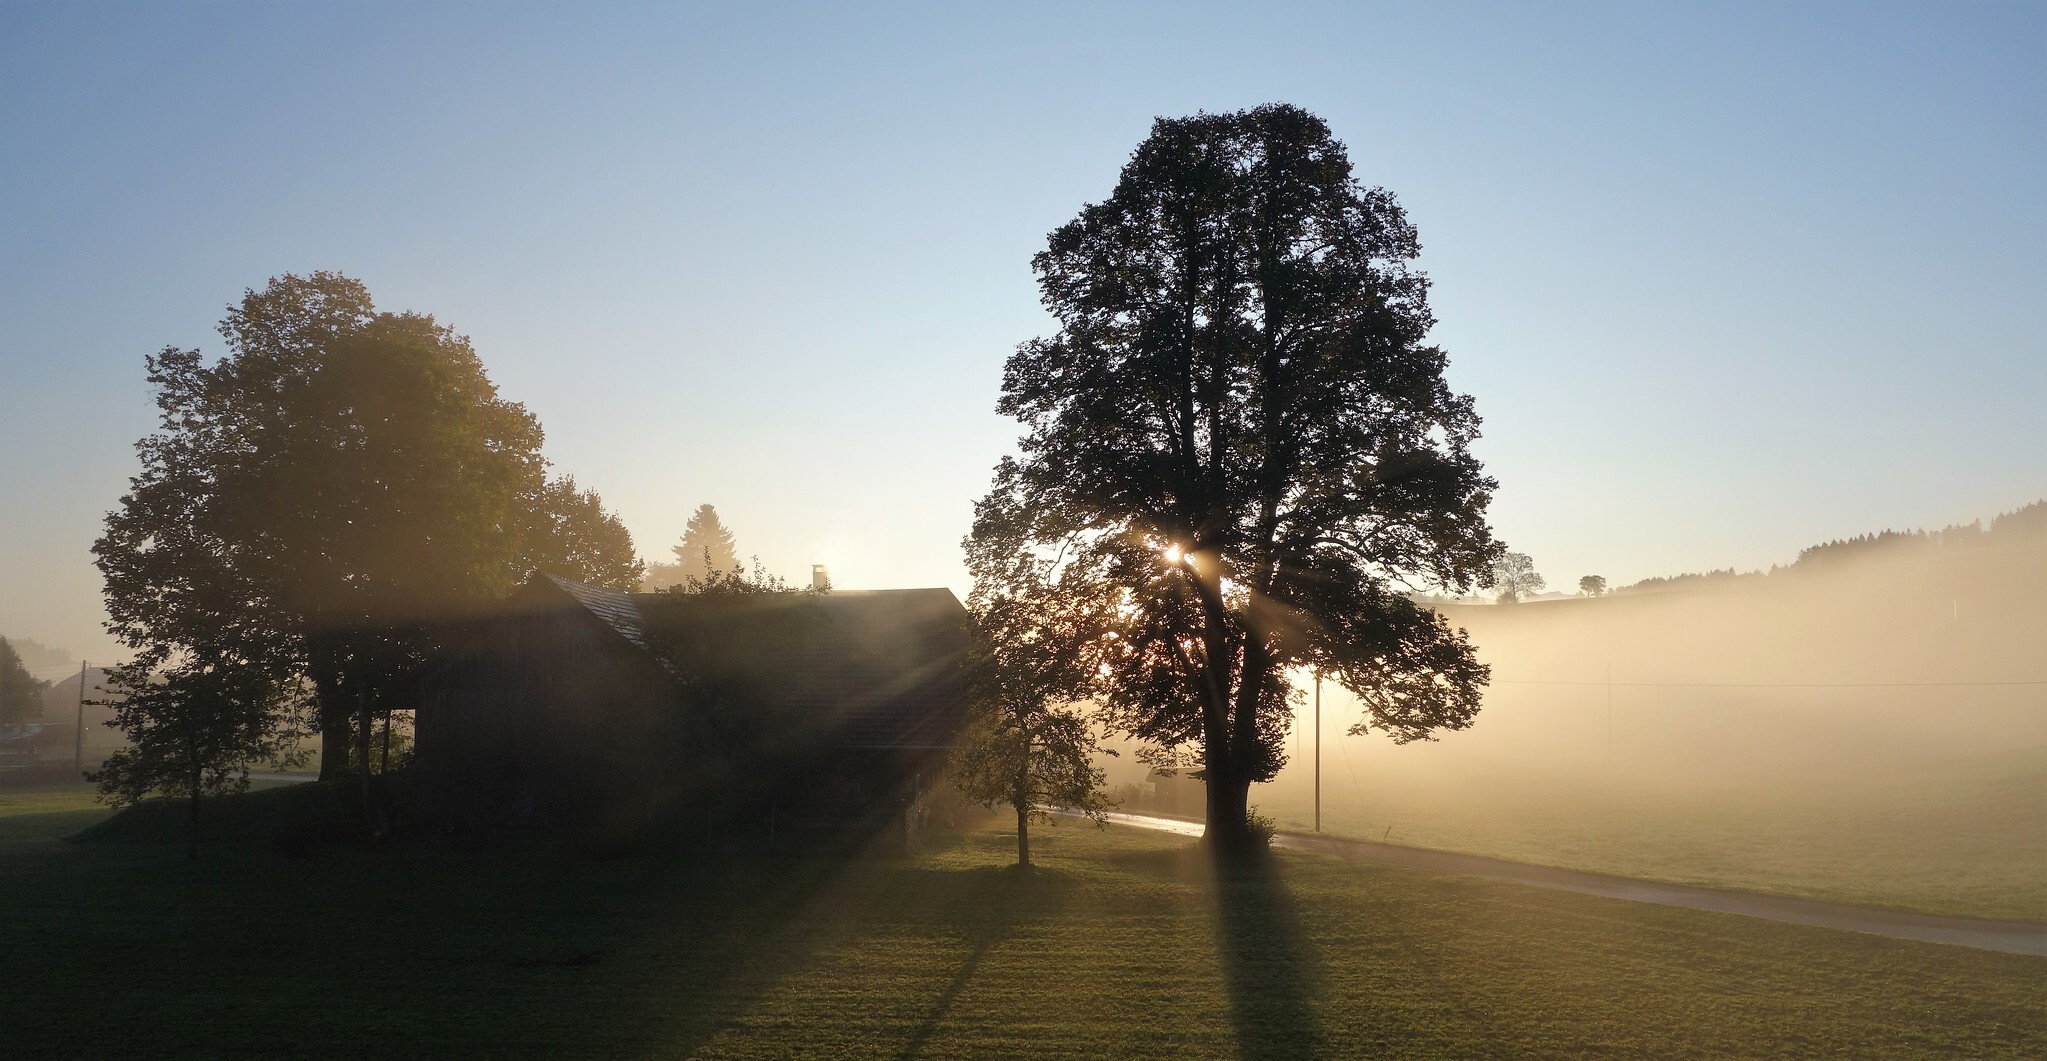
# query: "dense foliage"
[[315, 503], [1241, 450]]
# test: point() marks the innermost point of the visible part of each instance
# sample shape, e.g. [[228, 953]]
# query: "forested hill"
[[2022, 529], [1938, 633]]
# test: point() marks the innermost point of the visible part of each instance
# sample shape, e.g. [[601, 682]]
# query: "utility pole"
[[78, 725], [1318, 751]]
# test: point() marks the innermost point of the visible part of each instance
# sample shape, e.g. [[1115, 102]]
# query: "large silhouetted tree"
[[1240, 449], [1026, 745], [323, 496]]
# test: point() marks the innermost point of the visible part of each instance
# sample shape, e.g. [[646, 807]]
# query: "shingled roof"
[[612, 608], [868, 668], [885, 667]]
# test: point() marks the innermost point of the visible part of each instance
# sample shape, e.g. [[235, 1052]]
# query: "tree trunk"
[[1023, 834], [335, 733], [1229, 809], [192, 836], [1237, 760]]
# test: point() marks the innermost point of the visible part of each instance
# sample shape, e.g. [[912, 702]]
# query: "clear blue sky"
[[1724, 280]]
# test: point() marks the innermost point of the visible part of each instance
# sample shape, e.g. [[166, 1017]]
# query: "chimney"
[[820, 577]]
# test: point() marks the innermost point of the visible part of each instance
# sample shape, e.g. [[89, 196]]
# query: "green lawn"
[[1969, 839], [46, 812], [1121, 944]]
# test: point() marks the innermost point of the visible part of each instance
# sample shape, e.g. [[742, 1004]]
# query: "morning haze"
[[1215, 530]]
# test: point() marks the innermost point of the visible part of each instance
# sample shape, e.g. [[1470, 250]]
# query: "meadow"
[[1122, 943], [1966, 839], [1875, 734]]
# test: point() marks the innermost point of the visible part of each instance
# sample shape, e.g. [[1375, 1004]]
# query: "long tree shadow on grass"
[[734, 944], [731, 953], [985, 906], [507, 946], [1269, 967], [1270, 970]]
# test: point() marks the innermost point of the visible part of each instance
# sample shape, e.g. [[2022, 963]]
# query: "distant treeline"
[[2027, 525]]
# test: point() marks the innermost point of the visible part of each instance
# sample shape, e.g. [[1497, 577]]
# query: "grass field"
[[1963, 842], [1121, 944], [1731, 792]]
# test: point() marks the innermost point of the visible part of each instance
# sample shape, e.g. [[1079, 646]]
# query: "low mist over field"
[[1902, 655], [1870, 722]]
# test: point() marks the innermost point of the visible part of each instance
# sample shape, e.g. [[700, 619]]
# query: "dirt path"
[[2011, 937]]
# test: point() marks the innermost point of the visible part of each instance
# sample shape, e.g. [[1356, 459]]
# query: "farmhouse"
[[572, 704]]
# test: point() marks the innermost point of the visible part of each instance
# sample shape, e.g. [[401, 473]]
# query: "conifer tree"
[[707, 547]]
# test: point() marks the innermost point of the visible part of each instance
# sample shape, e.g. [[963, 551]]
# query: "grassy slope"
[[47, 811], [1113, 948]]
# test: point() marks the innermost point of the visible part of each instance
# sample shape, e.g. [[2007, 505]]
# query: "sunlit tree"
[[1027, 744], [1592, 585], [1240, 449]]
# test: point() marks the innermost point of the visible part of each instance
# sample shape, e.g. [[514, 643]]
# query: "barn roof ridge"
[[883, 672], [613, 608]]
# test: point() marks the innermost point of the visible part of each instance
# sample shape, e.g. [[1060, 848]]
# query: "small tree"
[[195, 725], [21, 695], [1515, 576], [1023, 745], [1592, 585]]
